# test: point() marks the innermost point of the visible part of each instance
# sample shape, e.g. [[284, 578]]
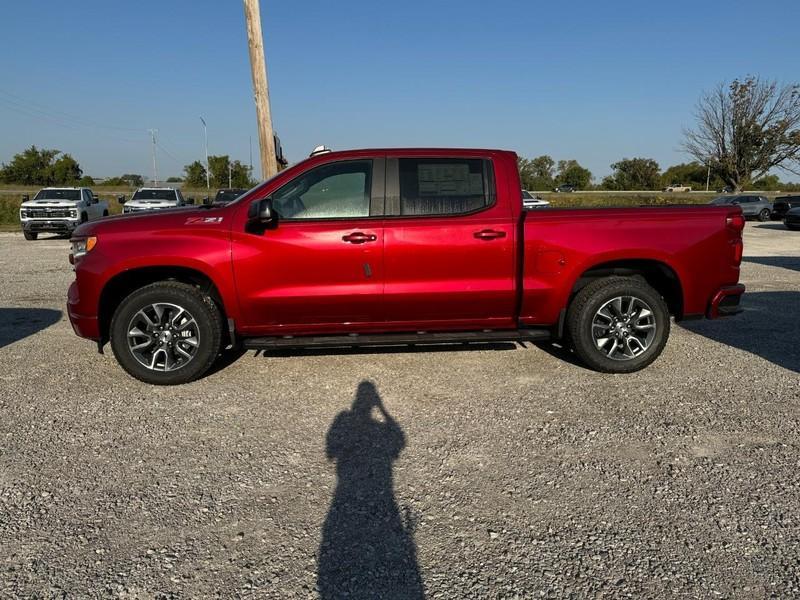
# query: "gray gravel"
[[495, 472]]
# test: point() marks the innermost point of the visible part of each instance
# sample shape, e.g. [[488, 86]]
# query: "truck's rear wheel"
[[30, 235], [166, 333], [618, 324]]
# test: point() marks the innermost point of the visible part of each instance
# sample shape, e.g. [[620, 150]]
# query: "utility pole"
[[205, 133], [153, 133], [708, 176], [230, 173], [258, 70]]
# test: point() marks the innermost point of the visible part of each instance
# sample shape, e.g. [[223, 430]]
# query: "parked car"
[[398, 246], [225, 195], [678, 188], [154, 198], [565, 188], [530, 201], [782, 205], [758, 207], [726, 190], [792, 219], [59, 210]]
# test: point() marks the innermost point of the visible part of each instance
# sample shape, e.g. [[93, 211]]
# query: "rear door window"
[[444, 186]]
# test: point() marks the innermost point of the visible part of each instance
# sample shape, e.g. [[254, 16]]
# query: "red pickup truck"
[[398, 246]]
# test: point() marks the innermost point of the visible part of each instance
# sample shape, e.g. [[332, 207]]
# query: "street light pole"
[[155, 167], [205, 134]]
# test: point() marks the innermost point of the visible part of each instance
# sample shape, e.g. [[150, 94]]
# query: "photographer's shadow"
[[367, 548]]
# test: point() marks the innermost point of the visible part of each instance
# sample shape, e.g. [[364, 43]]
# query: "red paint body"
[[498, 268]]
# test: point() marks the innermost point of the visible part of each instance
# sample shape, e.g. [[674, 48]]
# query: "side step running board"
[[396, 339]]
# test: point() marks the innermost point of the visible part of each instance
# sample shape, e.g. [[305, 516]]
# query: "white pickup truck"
[[154, 199], [678, 188], [59, 210]]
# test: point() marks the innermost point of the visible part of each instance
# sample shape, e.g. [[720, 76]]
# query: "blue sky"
[[594, 81]]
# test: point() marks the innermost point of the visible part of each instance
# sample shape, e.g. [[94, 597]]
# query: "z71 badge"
[[203, 220]]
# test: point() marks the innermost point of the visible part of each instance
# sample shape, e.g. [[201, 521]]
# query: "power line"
[[61, 115]]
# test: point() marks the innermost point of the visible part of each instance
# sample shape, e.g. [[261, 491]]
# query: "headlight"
[[80, 248], [23, 214], [73, 214]]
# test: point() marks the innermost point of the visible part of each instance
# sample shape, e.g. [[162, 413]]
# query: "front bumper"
[[83, 325], [59, 225], [726, 302]]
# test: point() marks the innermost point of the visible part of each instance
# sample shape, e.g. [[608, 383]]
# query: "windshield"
[[225, 196], [723, 200], [71, 195], [151, 195], [526, 195]]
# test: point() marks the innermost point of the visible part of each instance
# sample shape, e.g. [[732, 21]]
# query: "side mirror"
[[206, 200], [261, 214], [25, 197], [121, 199]]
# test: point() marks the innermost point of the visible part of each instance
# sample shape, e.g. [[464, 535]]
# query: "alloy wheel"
[[163, 336], [623, 327]]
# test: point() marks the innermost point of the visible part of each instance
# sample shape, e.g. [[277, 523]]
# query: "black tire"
[[105, 213], [30, 235], [764, 215], [591, 299], [84, 218], [209, 325]]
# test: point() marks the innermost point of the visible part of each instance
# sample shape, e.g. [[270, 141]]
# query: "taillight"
[[738, 250], [735, 222]]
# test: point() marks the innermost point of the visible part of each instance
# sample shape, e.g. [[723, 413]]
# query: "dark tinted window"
[[444, 186], [526, 195], [154, 195], [72, 195], [335, 190], [723, 200], [225, 196]]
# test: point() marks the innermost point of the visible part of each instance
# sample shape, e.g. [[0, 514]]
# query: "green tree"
[[133, 179], [692, 174], [536, 173], [30, 167], [195, 174], [747, 128], [572, 173], [219, 167], [768, 183], [86, 181], [65, 170], [633, 174]]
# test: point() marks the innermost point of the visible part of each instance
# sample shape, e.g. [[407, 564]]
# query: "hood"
[[49, 204], [152, 203], [148, 221]]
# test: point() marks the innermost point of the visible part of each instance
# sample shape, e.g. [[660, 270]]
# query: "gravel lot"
[[493, 472]]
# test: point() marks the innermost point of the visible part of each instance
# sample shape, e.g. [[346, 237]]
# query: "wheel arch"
[[658, 274], [124, 283]]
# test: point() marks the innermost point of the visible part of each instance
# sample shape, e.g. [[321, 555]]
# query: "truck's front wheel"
[[618, 324], [30, 235], [166, 333]]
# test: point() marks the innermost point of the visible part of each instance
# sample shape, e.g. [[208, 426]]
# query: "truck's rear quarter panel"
[[561, 245]]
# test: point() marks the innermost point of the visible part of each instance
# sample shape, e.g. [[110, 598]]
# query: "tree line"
[[50, 167]]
